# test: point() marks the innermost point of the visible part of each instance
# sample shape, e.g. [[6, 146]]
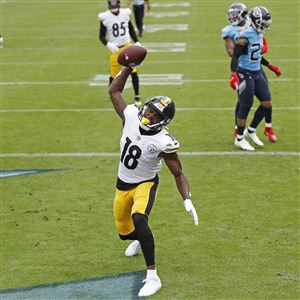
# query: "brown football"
[[132, 56]]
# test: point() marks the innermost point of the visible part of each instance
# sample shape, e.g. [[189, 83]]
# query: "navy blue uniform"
[[253, 80]]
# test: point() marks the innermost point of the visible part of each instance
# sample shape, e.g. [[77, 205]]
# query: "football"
[[132, 56]]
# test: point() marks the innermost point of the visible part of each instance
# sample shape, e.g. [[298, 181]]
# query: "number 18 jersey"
[[139, 159]]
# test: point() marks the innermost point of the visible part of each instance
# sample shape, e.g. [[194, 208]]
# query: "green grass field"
[[58, 226]]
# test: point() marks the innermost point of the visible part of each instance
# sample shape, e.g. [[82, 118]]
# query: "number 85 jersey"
[[139, 159], [117, 26]]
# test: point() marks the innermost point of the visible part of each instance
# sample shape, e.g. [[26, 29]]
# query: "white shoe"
[[253, 137], [133, 249], [151, 286], [243, 144]]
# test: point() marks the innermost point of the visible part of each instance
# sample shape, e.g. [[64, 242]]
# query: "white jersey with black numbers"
[[139, 158], [117, 26]]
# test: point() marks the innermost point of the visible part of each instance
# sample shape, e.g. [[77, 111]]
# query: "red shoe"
[[270, 134], [235, 133]]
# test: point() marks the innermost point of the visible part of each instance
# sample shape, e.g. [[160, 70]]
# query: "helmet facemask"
[[114, 6], [163, 106], [237, 13]]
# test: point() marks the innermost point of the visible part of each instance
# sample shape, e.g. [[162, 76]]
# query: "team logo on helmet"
[[260, 18]]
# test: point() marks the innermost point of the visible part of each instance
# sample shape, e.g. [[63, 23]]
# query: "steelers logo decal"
[[151, 148]]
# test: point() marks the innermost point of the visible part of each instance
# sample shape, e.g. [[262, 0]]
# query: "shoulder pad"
[[130, 110], [102, 16], [127, 11], [225, 32]]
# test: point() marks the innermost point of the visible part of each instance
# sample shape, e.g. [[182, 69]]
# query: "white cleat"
[[133, 249], [243, 144], [151, 286], [253, 137]]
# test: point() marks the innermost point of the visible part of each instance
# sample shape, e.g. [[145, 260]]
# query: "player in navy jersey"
[[237, 15], [248, 78]]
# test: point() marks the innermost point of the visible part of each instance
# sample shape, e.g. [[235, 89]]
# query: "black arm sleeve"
[[132, 32], [102, 34], [238, 50], [264, 62]]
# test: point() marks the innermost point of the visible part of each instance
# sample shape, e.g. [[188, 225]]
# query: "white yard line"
[[98, 110], [179, 46], [175, 81], [171, 4], [116, 154], [168, 14]]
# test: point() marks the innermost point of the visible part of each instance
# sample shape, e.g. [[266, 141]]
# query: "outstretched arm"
[[115, 91], [173, 162]]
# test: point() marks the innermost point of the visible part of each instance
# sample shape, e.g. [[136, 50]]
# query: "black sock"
[[135, 83], [240, 132], [268, 115], [131, 236], [237, 107], [145, 237], [258, 116]]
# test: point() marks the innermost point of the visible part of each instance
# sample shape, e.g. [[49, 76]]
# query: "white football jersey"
[[139, 159], [117, 26]]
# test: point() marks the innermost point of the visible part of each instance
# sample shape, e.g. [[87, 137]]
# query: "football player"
[[237, 15], [115, 32], [248, 78], [144, 143], [139, 12]]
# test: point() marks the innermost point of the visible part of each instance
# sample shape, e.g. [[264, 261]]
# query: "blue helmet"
[[237, 13], [260, 18]]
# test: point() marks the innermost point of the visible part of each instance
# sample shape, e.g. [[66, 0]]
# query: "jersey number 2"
[[129, 158], [256, 48]]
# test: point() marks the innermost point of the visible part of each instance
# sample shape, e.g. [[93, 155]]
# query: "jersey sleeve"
[[225, 32], [130, 111], [171, 144], [100, 17]]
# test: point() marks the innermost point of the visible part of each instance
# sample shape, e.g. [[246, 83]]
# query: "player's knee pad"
[[243, 111], [140, 222]]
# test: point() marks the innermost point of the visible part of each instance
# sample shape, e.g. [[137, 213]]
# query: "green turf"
[[59, 227]]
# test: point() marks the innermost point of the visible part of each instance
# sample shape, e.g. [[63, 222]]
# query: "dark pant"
[[139, 17], [251, 84]]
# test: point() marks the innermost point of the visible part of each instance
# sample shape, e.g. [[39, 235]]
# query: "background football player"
[[144, 143], [248, 77], [237, 15], [139, 12], [115, 32]]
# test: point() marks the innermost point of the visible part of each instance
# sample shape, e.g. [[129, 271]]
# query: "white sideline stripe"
[[78, 110], [115, 154], [146, 82]]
